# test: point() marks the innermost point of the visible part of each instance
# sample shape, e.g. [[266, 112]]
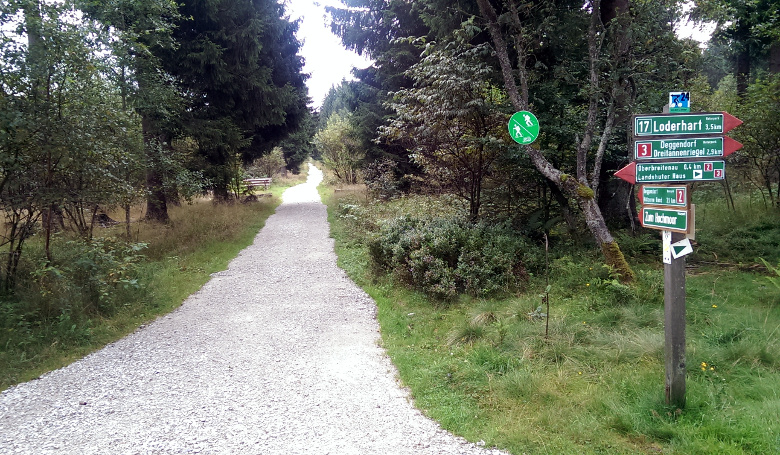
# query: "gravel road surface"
[[276, 355]]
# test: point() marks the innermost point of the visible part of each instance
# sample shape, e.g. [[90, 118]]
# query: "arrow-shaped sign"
[[684, 124], [678, 171], [695, 147], [628, 173]]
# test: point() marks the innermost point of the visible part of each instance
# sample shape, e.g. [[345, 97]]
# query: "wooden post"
[[674, 327]]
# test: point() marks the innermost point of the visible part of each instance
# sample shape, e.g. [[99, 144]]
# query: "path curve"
[[276, 355]]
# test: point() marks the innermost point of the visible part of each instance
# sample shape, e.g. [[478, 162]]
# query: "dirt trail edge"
[[276, 355]]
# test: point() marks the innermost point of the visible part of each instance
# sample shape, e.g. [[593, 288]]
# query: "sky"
[[327, 61]]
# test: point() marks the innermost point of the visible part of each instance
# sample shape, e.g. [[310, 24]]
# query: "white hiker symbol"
[[523, 127]]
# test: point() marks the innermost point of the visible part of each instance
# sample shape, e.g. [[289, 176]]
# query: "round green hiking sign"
[[524, 127]]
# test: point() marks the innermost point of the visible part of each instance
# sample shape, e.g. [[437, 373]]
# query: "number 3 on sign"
[[644, 150]]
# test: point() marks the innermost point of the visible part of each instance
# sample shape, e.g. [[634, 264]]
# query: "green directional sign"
[[523, 127], [680, 124], [692, 171], [695, 147], [665, 219], [671, 196]]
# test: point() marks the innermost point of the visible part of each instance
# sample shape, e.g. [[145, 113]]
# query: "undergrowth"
[[482, 366]]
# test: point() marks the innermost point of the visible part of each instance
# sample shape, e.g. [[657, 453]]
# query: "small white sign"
[[681, 248], [666, 237]]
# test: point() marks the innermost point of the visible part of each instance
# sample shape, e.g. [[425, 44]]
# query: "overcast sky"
[[326, 59]]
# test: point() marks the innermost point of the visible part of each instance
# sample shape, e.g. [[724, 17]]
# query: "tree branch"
[[610, 123], [499, 45], [595, 41]]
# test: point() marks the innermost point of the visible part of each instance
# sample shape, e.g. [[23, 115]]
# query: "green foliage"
[[339, 147], [736, 235], [85, 279], [760, 136], [381, 180], [775, 271], [69, 145], [484, 369], [746, 32], [267, 165], [59, 301], [452, 120], [449, 256], [237, 63], [640, 244], [299, 145]]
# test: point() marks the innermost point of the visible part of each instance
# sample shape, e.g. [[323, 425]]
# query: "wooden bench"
[[265, 182]]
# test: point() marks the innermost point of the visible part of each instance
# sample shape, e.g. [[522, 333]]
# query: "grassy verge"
[[485, 370], [201, 239]]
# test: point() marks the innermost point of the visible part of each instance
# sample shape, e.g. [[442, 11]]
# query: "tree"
[[381, 30], [519, 37], [299, 145], [751, 29], [142, 28], [268, 165], [237, 61], [340, 148], [452, 120], [63, 131], [760, 135]]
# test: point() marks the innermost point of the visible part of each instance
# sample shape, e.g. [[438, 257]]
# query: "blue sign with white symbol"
[[679, 101]]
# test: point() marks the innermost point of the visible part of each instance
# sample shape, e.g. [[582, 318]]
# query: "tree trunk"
[[743, 72], [742, 63], [609, 247], [563, 203], [222, 194], [774, 57], [156, 201], [127, 221]]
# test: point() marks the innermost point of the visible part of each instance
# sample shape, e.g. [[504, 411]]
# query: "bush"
[[381, 180], [86, 278], [447, 256], [267, 165]]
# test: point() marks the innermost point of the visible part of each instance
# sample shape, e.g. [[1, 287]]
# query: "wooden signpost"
[[669, 149]]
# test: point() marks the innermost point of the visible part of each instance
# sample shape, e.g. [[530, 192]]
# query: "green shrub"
[[86, 278], [444, 257]]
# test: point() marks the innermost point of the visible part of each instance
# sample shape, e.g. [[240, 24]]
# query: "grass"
[[483, 368], [200, 240]]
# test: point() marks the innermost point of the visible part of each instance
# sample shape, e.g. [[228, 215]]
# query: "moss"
[[614, 258], [585, 192], [564, 177]]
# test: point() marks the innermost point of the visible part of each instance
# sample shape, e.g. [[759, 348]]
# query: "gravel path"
[[276, 355]]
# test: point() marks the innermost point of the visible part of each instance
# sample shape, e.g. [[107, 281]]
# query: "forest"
[[509, 278]]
